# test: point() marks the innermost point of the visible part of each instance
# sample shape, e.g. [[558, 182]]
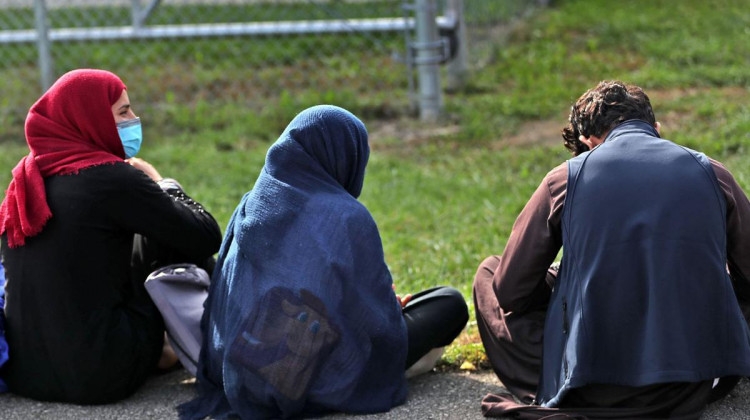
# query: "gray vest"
[[643, 294]]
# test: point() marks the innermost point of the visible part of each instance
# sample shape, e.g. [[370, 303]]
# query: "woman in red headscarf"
[[83, 223]]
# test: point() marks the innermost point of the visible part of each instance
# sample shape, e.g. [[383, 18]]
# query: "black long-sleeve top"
[[80, 325]]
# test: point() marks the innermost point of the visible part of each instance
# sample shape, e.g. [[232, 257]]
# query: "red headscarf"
[[69, 128]]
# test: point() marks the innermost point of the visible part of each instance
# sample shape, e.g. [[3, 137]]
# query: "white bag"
[[179, 291]]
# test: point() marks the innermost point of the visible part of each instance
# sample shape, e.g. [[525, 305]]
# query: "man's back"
[[643, 295]]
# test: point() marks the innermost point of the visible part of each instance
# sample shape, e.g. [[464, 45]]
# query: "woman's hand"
[[402, 300], [146, 167]]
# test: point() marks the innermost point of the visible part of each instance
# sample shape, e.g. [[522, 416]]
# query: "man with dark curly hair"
[[643, 317]]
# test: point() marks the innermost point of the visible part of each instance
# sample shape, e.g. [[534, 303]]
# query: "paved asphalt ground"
[[431, 396]]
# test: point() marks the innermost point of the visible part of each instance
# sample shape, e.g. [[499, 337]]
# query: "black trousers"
[[434, 318]]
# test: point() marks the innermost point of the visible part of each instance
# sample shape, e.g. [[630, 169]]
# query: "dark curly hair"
[[601, 109]]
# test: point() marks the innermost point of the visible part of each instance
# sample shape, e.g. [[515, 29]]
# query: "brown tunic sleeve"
[[519, 281], [738, 235]]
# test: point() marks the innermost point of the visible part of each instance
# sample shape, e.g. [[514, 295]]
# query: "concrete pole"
[[43, 44], [458, 67], [427, 47]]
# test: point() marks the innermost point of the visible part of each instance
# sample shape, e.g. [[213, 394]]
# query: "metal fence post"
[[457, 68], [428, 61], [139, 14], [43, 44], [135, 13]]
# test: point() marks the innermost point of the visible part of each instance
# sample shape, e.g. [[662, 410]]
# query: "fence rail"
[[209, 30], [251, 53]]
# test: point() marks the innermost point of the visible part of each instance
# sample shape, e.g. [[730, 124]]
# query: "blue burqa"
[[301, 318]]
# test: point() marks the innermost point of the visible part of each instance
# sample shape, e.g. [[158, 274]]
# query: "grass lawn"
[[446, 196]]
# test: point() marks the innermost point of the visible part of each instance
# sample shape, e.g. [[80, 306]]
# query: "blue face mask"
[[131, 136]]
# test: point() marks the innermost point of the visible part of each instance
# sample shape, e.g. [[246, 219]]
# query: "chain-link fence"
[[224, 52]]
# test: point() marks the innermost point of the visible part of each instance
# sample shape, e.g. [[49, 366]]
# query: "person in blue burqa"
[[301, 317]]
